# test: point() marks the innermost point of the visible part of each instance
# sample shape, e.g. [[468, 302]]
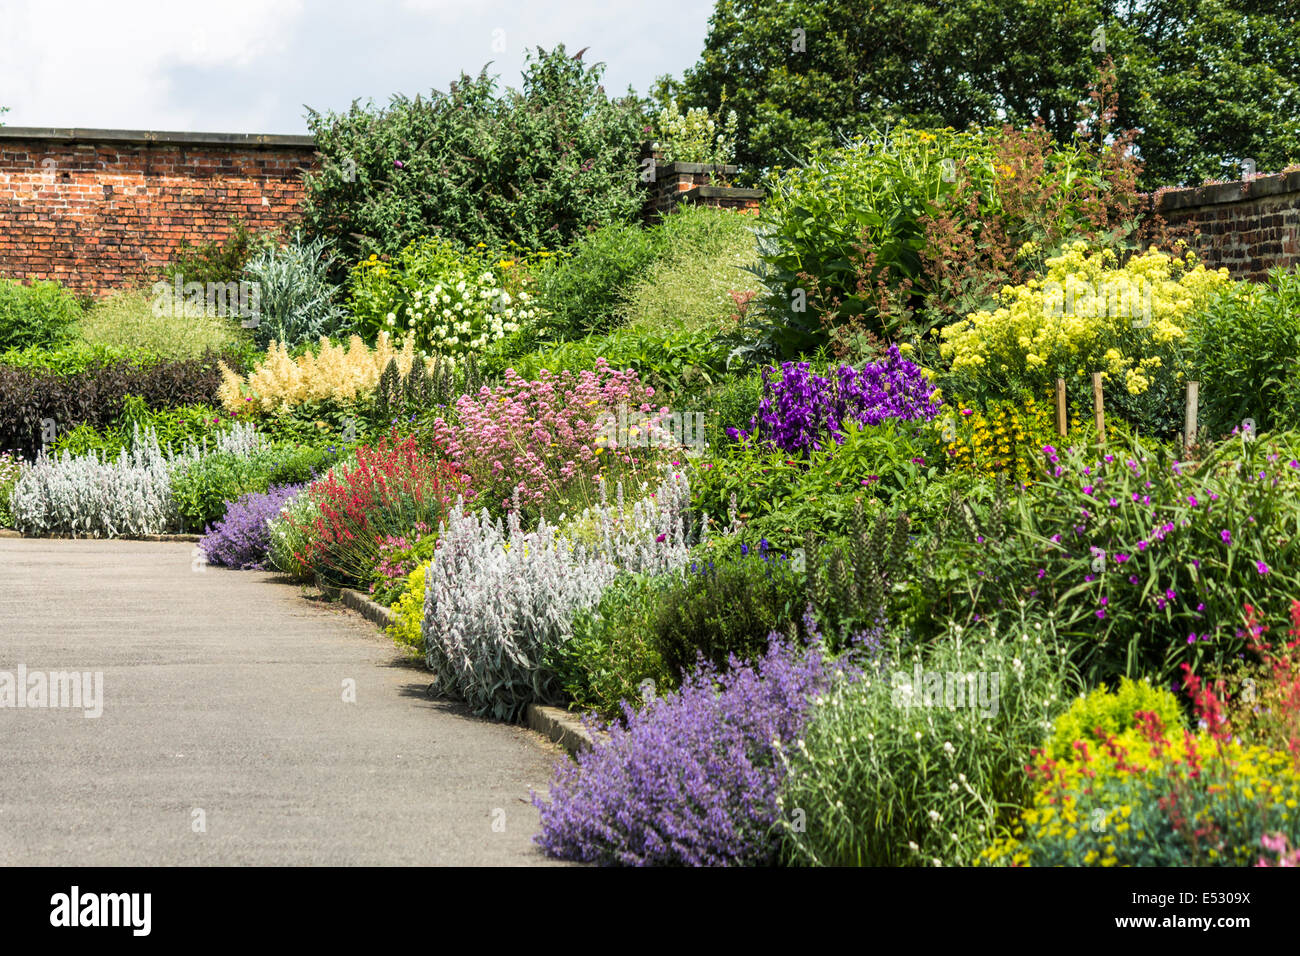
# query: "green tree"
[[1208, 82], [537, 166]]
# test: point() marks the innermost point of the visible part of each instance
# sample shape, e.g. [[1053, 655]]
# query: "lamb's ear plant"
[[89, 496], [500, 601]]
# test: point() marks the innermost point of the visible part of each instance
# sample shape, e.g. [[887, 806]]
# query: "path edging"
[[559, 726]]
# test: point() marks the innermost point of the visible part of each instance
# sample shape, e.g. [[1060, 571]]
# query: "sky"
[[252, 66]]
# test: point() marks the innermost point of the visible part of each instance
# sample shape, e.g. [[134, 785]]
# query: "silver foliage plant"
[[87, 496], [497, 598]]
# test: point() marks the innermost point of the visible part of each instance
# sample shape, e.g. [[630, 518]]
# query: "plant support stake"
[[1060, 407], [1189, 424], [1097, 406]]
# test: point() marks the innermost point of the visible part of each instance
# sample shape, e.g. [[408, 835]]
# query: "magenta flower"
[[1191, 500], [1042, 573], [1121, 558], [1101, 613], [1261, 567], [1087, 489], [1226, 536]]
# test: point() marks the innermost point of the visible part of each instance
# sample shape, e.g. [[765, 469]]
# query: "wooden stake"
[[1060, 407], [1097, 406], [1189, 424]]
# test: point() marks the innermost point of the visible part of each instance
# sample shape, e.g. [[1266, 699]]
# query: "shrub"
[[725, 608], [538, 166], [1155, 796], [1245, 345], [898, 769], [97, 395], [242, 539], [382, 493], [296, 300], [582, 290], [70, 357], [612, 652], [780, 498], [800, 410], [862, 238], [175, 428], [203, 487], [131, 321], [1086, 314], [1103, 714], [696, 136], [692, 779], [705, 256], [406, 631], [334, 373], [219, 260], [96, 498], [446, 301], [34, 315]]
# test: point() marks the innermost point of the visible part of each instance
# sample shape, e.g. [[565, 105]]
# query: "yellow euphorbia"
[[339, 373], [1085, 314]]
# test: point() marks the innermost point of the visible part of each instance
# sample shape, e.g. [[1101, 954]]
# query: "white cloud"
[[251, 65]]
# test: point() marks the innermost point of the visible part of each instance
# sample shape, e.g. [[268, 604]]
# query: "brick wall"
[[1247, 227], [100, 210], [699, 184]]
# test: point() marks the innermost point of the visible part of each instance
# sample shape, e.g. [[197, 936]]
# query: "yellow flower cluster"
[[1084, 315], [1005, 438], [1113, 800], [338, 373]]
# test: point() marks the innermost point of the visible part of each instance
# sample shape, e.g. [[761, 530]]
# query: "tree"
[[536, 166], [1208, 83]]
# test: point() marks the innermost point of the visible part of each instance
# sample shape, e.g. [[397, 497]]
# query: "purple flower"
[[1132, 579], [398, 164], [242, 538], [1121, 558], [1226, 536], [1113, 503], [1261, 567], [799, 409], [692, 779], [1042, 573], [1191, 500]]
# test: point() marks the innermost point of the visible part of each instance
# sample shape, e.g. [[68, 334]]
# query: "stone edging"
[[189, 538], [372, 611], [559, 726]]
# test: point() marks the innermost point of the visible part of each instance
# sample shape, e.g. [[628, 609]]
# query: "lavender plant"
[[800, 410], [242, 539], [693, 778]]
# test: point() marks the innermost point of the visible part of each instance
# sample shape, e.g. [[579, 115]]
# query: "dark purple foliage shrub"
[[692, 779], [242, 539], [799, 410]]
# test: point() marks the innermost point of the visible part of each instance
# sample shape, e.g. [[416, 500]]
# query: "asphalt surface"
[[225, 737]]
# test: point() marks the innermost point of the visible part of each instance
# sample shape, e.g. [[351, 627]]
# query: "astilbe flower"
[[800, 410], [242, 539], [692, 779]]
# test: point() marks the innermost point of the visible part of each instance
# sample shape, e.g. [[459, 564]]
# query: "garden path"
[[225, 736]]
